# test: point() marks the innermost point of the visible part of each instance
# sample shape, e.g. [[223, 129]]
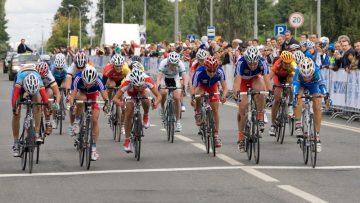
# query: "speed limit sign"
[[296, 19]]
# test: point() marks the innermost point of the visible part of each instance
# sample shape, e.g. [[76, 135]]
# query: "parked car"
[[7, 61], [18, 59]]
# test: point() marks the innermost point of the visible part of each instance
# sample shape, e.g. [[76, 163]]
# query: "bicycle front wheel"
[[171, 122], [313, 142], [137, 136], [88, 142], [248, 145], [256, 142], [118, 124], [211, 131]]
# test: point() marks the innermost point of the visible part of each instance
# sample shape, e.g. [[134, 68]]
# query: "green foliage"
[[4, 37]]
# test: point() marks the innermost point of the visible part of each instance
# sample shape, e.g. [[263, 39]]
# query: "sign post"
[[296, 20], [211, 32]]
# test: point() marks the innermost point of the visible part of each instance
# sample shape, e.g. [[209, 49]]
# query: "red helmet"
[[211, 64], [42, 68]]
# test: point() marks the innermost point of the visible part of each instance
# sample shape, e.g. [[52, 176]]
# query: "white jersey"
[[48, 79], [171, 72], [73, 70]]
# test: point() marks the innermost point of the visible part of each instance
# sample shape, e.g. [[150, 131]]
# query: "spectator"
[[255, 42], [357, 49], [281, 43], [22, 48], [227, 55], [354, 62], [268, 42], [274, 47], [289, 40], [314, 38], [303, 37], [268, 55], [213, 46], [343, 61]]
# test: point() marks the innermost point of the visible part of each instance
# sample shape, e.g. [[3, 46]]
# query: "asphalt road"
[[182, 171]]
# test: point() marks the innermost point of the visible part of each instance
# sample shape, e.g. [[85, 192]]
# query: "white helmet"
[[307, 67], [136, 65], [201, 54], [117, 60], [45, 58], [31, 84], [298, 56], [89, 75], [174, 57], [60, 60], [137, 77], [310, 44], [325, 40], [252, 54]]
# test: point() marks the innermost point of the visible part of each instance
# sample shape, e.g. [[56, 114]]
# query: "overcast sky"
[[26, 18]]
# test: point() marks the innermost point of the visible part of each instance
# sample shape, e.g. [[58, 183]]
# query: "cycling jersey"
[[315, 86], [21, 75], [48, 79], [201, 78], [171, 72], [279, 69], [126, 86], [242, 69], [78, 85], [308, 54], [73, 70], [194, 67], [111, 73], [59, 76]]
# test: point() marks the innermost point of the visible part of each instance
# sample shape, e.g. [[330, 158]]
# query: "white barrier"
[[229, 75], [338, 87], [353, 90]]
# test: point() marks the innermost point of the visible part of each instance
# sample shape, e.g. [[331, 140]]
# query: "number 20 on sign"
[[296, 19]]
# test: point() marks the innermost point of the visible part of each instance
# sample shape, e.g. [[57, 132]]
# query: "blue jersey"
[[316, 85], [242, 69], [21, 75], [59, 76], [78, 85], [308, 54], [200, 77]]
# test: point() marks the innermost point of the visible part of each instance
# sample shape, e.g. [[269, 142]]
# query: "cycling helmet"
[[286, 56], [31, 84], [211, 63], [174, 58], [303, 43], [136, 65], [201, 54], [252, 54], [136, 58], [60, 61], [80, 60], [298, 56], [42, 68], [310, 44], [307, 67], [137, 77], [325, 40], [294, 46], [45, 58], [117, 60], [89, 75]]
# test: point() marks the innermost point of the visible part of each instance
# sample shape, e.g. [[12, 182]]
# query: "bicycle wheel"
[[211, 130], [31, 158], [256, 142], [305, 140], [118, 124], [313, 142], [283, 124], [61, 113], [305, 150], [248, 145], [23, 150], [291, 125], [88, 142], [171, 122], [137, 136]]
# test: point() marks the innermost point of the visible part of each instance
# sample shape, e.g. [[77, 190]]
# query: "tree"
[[4, 37]]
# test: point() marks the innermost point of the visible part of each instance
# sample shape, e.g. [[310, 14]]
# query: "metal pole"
[[176, 31], [318, 22], [211, 12], [122, 11], [42, 39], [68, 32], [80, 30], [144, 14], [103, 12], [255, 20]]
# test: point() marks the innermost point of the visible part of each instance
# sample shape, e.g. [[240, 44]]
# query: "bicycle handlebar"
[[112, 88], [286, 85], [254, 92], [89, 102], [206, 94]]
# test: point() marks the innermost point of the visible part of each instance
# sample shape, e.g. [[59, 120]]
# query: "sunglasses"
[[59, 68]]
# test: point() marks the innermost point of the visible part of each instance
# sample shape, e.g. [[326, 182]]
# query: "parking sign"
[[279, 30]]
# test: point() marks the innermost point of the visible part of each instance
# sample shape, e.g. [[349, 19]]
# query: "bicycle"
[[115, 118], [308, 143], [207, 128], [282, 117], [27, 144], [169, 113], [252, 135], [61, 113], [137, 127], [84, 139]]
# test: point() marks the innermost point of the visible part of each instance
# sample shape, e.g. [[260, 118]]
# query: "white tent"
[[117, 33]]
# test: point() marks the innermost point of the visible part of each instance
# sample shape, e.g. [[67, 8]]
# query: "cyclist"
[[206, 79], [201, 56], [79, 64], [138, 65], [52, 90], [282, 72], [136, 83], [251, 70], [86, 86], [308, 77], [305, 46], [115, 72], [169, 70], [28, 83]]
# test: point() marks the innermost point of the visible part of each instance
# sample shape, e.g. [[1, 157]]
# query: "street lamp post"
[[255, 20], [176, 27], [68, 32], [318, 16], [70, 5]]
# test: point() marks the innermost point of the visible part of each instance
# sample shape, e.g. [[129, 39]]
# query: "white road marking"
[[183, 138], [304, 195], [259, 175], [152, 125], [344, 127], [306, 167], [200, 146], [229, 160], [163, 129]]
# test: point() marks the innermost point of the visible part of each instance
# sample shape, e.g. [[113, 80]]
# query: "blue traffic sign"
[[279, 30], [191, 37], [211, 32]]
